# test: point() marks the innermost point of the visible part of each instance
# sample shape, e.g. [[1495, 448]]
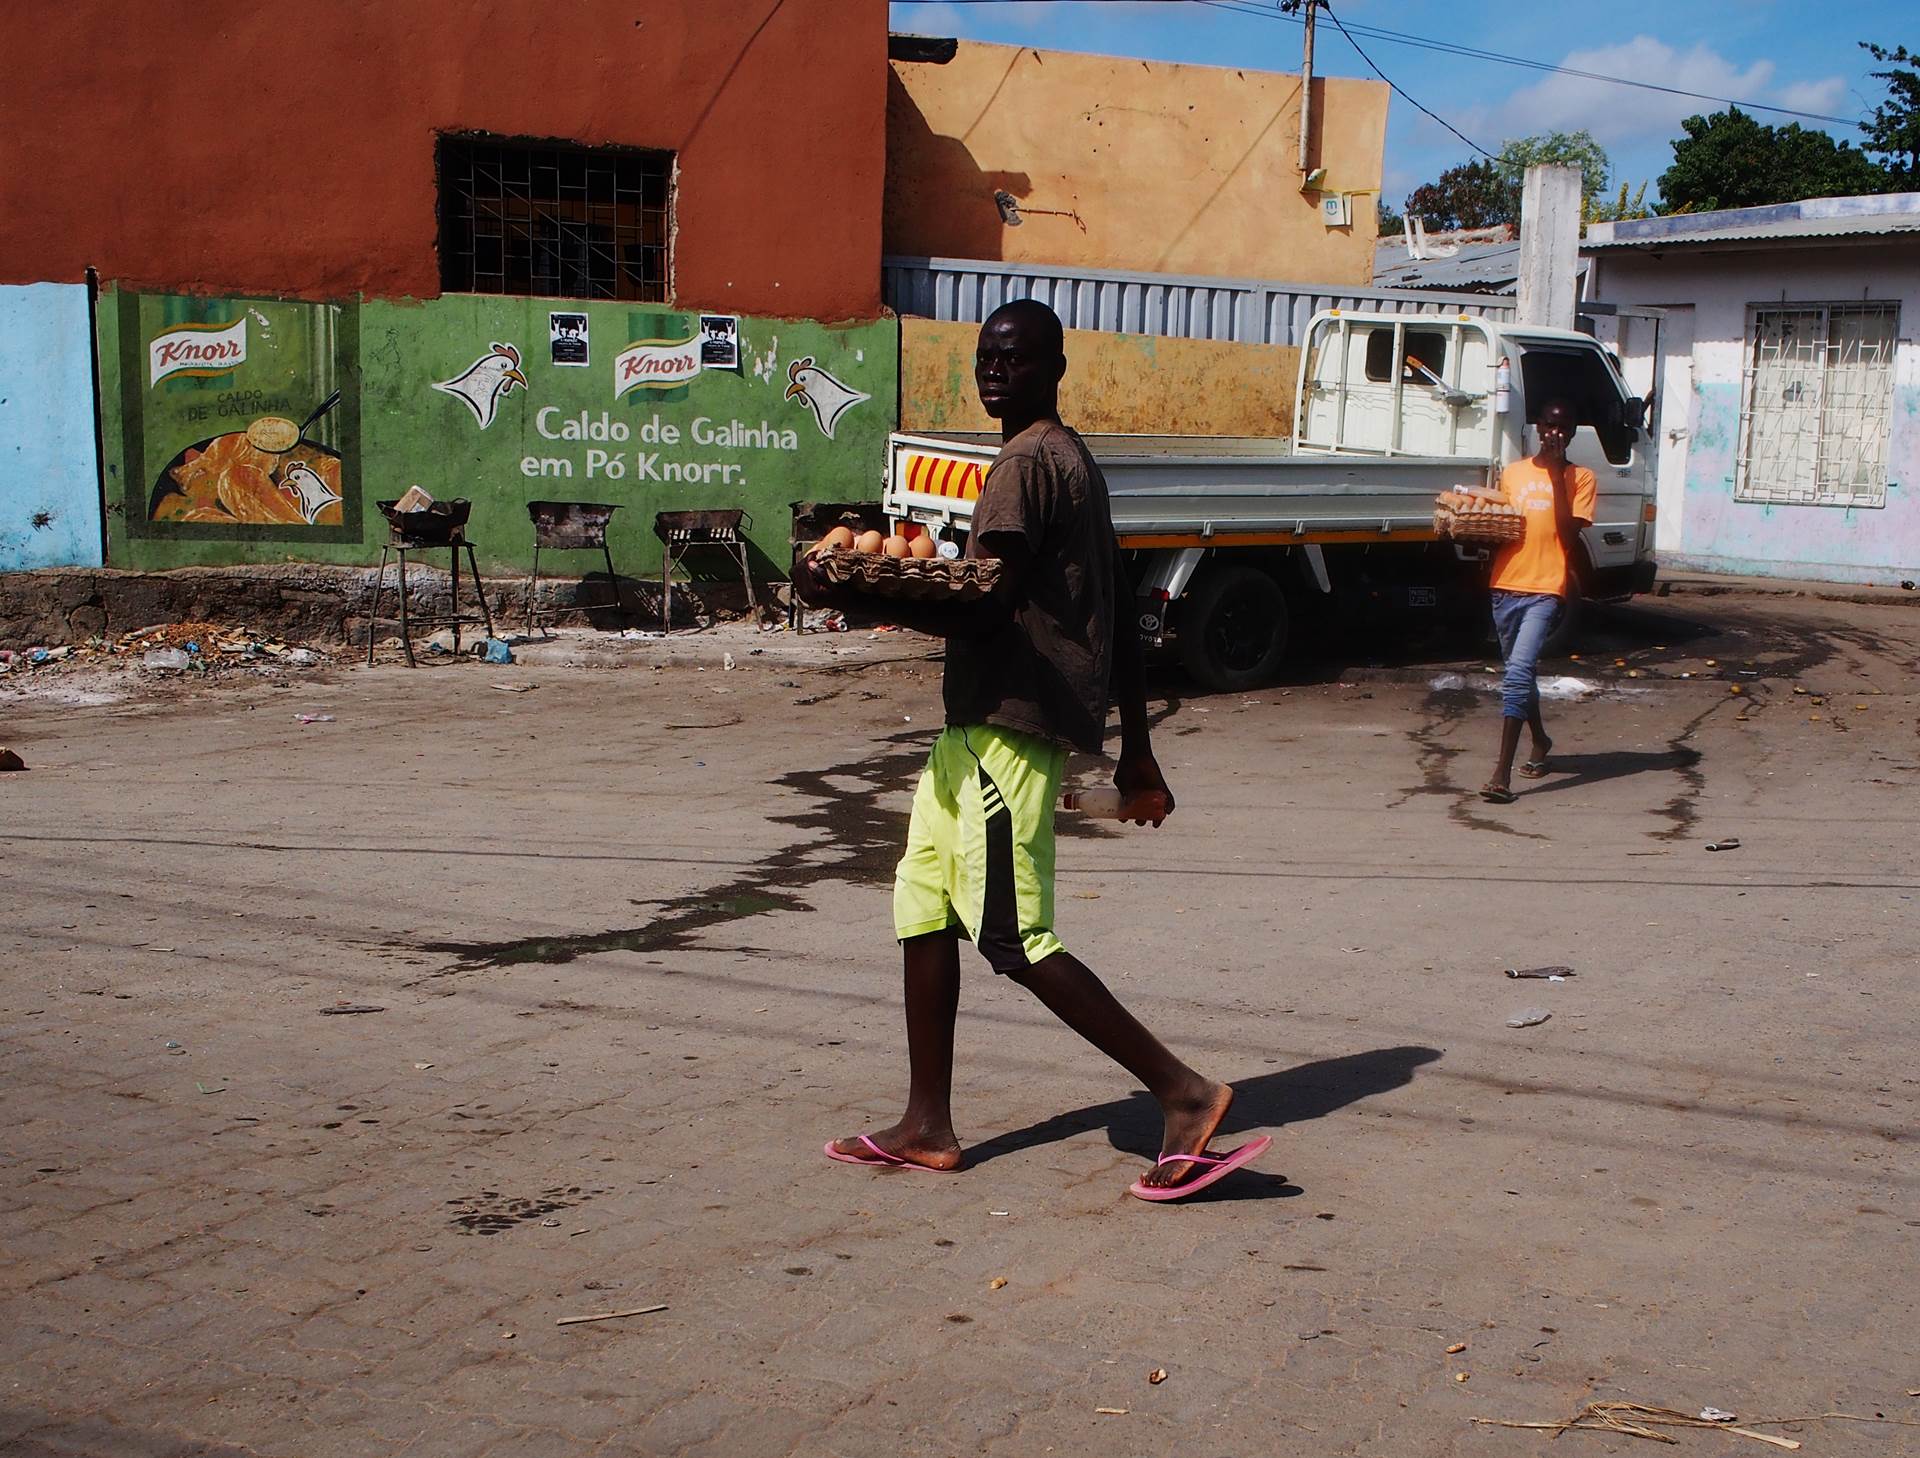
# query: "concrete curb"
[[1703, 585]]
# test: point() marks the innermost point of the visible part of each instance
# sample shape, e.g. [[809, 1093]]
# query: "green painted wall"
[[470, 396]]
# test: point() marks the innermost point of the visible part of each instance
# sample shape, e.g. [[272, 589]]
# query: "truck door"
[[1608, 443]]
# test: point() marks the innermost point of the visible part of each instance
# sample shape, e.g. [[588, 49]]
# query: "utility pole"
[[1290, 7]]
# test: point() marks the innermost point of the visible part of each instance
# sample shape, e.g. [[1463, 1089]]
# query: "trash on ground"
[[497, 651], [1456, 1347], [641, 633], [1637, 1420], [512, 688], [1112, 1411], [165, 660], [303, 658], [1157, 1376], [1716, 1415], [1726, 842], [11, 761], [1528, 1017], [610, 1315], [352, 1007], [726, 662], [1549, 974], [996, 1283], [999, 1212]]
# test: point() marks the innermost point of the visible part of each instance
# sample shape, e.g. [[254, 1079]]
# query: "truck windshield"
[[1581, 376]]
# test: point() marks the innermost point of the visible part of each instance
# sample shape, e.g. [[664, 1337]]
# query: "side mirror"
[[1633, 412]]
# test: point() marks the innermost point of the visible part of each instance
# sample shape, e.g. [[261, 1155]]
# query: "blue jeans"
[[1523, 620]]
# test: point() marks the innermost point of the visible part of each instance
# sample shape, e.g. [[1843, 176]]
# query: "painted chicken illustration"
[[310, 489], [821, 393], [486, 381]]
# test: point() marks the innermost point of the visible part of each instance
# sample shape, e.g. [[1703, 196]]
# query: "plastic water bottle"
[[1107, 803]]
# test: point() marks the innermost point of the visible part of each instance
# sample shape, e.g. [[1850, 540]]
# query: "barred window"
[[549, 220], [1818, 405]]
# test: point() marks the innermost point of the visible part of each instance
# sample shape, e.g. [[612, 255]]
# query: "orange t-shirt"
[[1537, 562]]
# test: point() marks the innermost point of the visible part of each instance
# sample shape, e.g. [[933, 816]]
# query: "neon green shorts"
[[980, 846]]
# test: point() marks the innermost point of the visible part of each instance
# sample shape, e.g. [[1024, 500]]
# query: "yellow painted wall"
[[1170, 168], [1128, 384]]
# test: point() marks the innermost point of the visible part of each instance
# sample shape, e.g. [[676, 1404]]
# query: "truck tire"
[[1233, 629], [1565, 636]]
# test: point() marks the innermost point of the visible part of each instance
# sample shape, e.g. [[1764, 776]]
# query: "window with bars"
[[1817, 404], [548, 220]]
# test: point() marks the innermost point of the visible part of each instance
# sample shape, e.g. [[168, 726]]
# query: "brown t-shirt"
[[1046, 672]]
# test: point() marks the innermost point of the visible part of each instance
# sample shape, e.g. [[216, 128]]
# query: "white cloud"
[[1617, 114], [1825, 96]]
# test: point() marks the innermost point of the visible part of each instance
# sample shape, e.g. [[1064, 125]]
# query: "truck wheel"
[[1574, 613], [1233, 629]]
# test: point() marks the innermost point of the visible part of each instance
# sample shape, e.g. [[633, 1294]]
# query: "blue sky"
[[1781, 52]]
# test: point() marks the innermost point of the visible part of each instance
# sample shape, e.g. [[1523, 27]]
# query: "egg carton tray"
[[911, 579]]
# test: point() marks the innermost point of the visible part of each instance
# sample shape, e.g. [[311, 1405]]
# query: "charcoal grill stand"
[[401, 543], [683, 531], [570, 526]]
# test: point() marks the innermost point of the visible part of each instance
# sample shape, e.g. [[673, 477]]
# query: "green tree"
[[1485, 193], [1390, 221], [1616, 209], [1729, 160], [1472, 195], [1893, 131], [1569, 149]]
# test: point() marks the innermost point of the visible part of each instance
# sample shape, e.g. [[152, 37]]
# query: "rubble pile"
[[208, 648]]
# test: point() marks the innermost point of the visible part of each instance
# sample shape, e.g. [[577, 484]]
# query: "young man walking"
[[1028, 673], [1531, 580]]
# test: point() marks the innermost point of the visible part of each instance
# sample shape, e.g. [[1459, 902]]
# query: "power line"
[[1397, 91], [1451, 48]]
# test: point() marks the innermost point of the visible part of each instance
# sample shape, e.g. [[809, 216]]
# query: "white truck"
[[1229, 539]]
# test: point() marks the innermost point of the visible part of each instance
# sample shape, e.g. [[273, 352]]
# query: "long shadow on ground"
[[1266, 1101]]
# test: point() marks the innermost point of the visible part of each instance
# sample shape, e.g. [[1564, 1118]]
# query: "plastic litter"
[[1528, 1017], [498, 652], [303, 658], [726, 662], [313, 718], [165, 660], [1716, 1415], [1726, 842], [1546, 974]]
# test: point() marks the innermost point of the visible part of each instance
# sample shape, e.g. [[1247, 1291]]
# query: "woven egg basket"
[[1495, 523]]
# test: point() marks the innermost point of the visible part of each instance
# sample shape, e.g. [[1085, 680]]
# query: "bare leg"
[[1192, 1106], [1502, 777], [924, 1133]]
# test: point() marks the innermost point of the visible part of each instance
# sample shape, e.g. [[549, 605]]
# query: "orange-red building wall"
[[252, 146]]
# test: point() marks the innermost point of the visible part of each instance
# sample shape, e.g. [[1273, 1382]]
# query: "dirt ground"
[[624, 946]]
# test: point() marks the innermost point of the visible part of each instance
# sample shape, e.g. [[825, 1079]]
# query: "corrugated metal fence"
[[1246, 311]]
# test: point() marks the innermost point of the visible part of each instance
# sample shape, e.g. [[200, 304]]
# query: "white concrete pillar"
[[1549, 246]]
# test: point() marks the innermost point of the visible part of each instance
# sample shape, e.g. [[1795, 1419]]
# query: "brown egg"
[[867, 542], [896, 547], [837, 540], [922, 546]]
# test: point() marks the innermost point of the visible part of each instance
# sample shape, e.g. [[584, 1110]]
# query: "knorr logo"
[[197, 349], [655, 364]]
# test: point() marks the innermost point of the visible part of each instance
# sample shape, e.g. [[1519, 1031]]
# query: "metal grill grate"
[[1818, 394], [540, 220]]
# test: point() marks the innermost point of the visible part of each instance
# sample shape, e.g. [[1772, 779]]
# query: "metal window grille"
[[1817, 405], [546, 220]]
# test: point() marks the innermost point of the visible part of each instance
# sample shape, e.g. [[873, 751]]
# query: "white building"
[[1786, 412]]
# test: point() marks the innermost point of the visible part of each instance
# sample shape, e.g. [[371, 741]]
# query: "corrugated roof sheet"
[[1787, 230]]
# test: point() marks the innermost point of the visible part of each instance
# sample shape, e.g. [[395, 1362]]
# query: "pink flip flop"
[[879, 1158], [1222, 1166]]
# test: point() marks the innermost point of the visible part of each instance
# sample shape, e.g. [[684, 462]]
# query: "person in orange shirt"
[[1531, 579]]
